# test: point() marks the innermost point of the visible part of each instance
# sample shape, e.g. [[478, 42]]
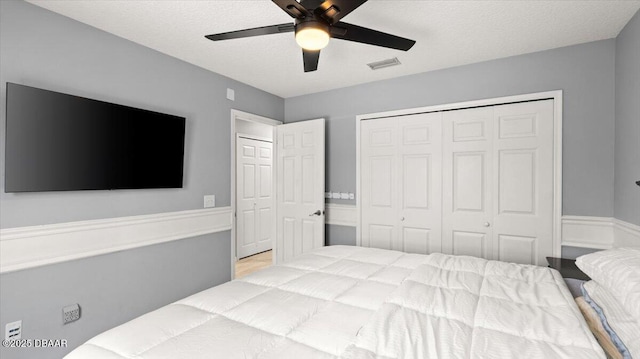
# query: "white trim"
[[626, 234], [557, 172], [358, 187], [341, 214], [599, 232], [240, 115], [252, 137], [557, 143], [28, 247], [587, 232]]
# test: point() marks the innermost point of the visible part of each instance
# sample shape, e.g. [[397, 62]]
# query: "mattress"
[[354, 302]]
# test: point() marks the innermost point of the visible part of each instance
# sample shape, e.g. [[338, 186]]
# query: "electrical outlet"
[[70, 313], [209, 201], [13, 330]]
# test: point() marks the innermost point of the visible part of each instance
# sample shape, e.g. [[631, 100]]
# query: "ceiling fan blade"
[[256, 31], [293, 8], [350, 32], [334, 10], [310, 59]]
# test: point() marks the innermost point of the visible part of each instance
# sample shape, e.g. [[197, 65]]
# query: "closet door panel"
[[420, 212], [523, 182], [467, 172], [379, 183], [473, 181]]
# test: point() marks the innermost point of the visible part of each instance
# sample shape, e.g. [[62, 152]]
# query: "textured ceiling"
[[448, 33]]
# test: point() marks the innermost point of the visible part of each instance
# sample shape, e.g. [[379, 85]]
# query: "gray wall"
[[111, 289], [43, 49], [585, 73], [627, 147], [339, 235]]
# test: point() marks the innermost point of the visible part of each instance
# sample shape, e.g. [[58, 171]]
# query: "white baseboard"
[[341, 214], [598, 232], [27, 247]]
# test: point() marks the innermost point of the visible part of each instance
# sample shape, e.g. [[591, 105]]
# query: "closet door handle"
[[487, 224], [316, 213], [401, 219]]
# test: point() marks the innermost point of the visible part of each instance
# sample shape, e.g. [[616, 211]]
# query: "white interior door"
[[401, 183], [379, 183], [466, 183], [254, 201], [300, 199], [523, 182], [420, 160]]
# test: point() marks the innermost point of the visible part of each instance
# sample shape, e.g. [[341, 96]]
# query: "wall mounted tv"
[[60, 142]]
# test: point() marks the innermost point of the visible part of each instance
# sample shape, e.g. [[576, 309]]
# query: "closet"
[[474, 181]]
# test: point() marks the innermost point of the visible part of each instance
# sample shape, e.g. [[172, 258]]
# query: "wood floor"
[[248, 265]]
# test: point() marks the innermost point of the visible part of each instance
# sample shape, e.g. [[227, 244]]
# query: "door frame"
[[246, 116], [555, 95]]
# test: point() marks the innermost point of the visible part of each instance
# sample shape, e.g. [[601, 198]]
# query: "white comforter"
[[364, 303]]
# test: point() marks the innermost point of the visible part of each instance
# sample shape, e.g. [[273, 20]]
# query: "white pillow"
[[625, 327], [617, 270]]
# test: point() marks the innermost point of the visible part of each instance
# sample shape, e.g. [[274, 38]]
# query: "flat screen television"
[[60, 142]]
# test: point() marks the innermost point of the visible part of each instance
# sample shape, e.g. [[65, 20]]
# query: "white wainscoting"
[[626, 234], [577, 231], [341, 214], [28, 247], [598, 232]]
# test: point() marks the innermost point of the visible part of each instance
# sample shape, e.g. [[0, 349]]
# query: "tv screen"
[[60, 142]]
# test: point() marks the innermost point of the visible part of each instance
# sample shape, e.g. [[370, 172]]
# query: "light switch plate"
[[209, 201], [13, 330], [70, 313], [231, 95]]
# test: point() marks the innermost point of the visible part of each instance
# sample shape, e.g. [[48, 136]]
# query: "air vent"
[[384, 63]]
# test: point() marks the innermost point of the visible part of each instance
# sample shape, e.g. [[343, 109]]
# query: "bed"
[[355, 302]]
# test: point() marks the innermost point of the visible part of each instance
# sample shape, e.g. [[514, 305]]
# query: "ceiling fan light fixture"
[[312, 36]]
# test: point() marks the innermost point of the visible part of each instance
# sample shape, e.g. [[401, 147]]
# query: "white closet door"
[[467, 190], [379, 183], [300, 200], [523, 182], [419, 190], [400, 174], [254, 202]]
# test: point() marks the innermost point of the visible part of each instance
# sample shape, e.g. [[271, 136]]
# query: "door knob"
[[487, 224], [402, 219], [316, 213]]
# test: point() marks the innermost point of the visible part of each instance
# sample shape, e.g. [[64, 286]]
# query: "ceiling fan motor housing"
[[311, 22]]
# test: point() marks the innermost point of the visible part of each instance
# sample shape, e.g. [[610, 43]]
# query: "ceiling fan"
[[315, 22]]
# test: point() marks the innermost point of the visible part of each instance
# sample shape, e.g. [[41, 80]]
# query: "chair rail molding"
[[33, 246]]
